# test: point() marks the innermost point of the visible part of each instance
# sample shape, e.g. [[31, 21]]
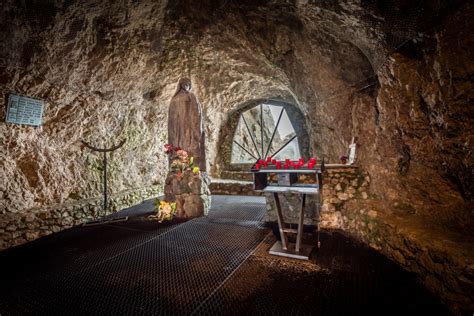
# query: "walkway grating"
[[207, 266], [170, 270]]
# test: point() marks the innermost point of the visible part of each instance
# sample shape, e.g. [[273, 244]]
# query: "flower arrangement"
[[165, 211], [180, 160]]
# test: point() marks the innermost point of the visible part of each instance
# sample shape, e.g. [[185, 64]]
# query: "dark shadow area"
[[344, 277]]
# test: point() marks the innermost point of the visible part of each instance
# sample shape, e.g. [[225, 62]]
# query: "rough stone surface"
[[337, 183], [21, 227], [190, 192], [232, 187], [443, 259], [396, 75]]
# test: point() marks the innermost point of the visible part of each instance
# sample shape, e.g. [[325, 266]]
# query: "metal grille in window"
[[262, 131]]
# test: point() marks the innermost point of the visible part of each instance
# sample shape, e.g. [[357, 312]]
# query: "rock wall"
[[77, 57], [232, 187], [340, 185], [21, 227], [107, 71], [442, 260], [420, 148]]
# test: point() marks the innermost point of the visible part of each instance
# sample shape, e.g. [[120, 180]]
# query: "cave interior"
[[395, 77]]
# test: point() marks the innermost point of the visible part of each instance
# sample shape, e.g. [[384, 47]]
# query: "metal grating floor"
[[132, 270], [207, 266], [343, 278]]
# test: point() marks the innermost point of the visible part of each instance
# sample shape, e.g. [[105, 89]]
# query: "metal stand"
[[105, 151], [283, 247], [261, 183]]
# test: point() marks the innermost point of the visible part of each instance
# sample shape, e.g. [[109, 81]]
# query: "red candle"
[[257, 166], [269, 159], [312, 159], [286, 166], [310, 165], [287, 161], [260, 161], [296, 166], [274, 161], [265, 164], [278, 165]]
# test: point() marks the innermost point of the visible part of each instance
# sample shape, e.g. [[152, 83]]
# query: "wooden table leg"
[[299, 237], [281, 223]]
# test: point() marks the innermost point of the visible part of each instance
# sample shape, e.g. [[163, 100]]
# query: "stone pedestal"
[[190, 192]]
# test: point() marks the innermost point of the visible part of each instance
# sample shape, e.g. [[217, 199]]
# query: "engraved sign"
[[24, 110]]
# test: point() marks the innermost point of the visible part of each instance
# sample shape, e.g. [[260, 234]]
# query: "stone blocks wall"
[[19, 228], [232, 187], [340, 185]]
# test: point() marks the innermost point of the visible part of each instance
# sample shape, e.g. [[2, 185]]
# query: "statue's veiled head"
[[184, 84]]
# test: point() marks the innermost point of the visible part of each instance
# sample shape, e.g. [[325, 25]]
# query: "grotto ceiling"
[[394, 74]]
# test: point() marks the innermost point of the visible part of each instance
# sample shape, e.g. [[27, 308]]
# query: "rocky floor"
[[213, 265]]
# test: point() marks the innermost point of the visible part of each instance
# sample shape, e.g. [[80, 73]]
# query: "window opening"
[[264, 130]]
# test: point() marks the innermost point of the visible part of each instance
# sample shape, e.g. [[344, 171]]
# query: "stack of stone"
[[190, 191], [339, 187], [18, 228]]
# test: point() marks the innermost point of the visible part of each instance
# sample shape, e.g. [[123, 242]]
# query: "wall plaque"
[[24, 110]]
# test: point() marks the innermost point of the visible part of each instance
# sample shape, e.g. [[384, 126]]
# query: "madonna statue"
[[185, 124], [185, 129]]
